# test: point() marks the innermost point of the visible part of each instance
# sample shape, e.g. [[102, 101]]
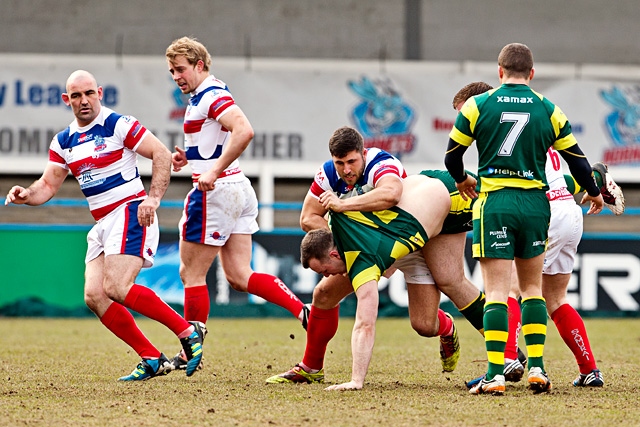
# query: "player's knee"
[[326, 297], [94, 298], [239, 279], [90, 301], [424, 328], [236, 284], [183, 274]]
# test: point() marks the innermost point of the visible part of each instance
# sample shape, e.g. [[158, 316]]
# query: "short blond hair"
[[191, 49]]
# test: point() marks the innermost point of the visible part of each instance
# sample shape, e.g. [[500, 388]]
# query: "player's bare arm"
[[386, 194], [241, 134], [153, 149], [363, 336], [313, 214], [41, 191]]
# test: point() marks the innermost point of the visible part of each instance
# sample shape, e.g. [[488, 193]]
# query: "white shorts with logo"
[[565, 232], [415, 269], [210, 217], [120, 233]]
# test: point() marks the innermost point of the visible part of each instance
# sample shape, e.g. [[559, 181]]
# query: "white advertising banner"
[[294, 106]]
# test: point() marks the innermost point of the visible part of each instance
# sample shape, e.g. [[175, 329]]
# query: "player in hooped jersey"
[[376, 178], [100, 149], [220, 211]]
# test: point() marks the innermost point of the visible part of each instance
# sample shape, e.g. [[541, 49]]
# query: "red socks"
[[446, 324], [572, 330], [196, 303], [323, 325], [515, 325], [146, 302], [121, 323], [275, 291]]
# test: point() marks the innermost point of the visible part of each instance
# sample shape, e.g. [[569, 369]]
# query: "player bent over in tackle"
[[365, 244], [370, 180]]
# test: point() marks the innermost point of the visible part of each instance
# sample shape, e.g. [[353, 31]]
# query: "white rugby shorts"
[[565, 232], [415, 269], [210, 217], [120, 233]]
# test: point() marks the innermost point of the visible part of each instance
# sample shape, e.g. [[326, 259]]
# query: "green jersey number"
[[519, 121]]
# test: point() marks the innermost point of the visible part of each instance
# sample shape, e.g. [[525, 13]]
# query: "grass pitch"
[[62, 372]]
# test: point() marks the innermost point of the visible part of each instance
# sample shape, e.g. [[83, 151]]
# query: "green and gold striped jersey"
[[369, 242], [513, 127]]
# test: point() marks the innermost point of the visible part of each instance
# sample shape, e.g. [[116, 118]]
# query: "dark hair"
[[516, 60], [472, 89], [315, 244], [345, 140]]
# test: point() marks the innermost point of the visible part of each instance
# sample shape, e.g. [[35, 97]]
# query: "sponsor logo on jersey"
[[559, 194], [136, 130], [87, 180], [85, 167], [99, 144], [510, 173], [85, 137], [516, 99]]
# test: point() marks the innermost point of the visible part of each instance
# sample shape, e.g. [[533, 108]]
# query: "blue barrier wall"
[[43, 266]]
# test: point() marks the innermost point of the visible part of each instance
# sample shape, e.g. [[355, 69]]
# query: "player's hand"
[[147, 211], [207, 181], [17, 195], [389, 272], [351, 385], [597, 203], [467, 188], [331, 202], [178, 159]]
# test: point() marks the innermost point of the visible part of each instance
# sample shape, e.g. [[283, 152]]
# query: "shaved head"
[[83, 96], [81, 76]]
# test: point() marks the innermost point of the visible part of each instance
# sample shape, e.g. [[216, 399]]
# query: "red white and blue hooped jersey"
[[102, 157], [378, 163], [204, 136]]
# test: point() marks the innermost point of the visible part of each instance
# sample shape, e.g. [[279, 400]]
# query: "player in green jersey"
[[513, 127], [365, 244]]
